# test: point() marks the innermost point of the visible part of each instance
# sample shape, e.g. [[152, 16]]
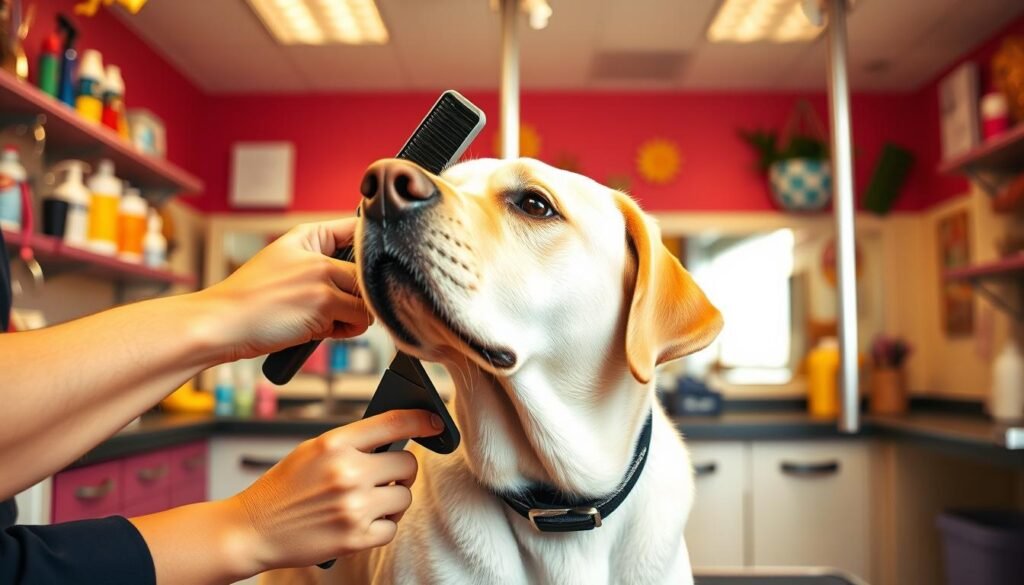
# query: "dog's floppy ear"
[[669, 316]]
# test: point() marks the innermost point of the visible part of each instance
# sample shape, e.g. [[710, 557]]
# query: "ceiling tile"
[[655, 25], [727, 65]]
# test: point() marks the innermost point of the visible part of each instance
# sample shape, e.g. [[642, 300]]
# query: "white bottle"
[[1006, 401], [77, 195], [154, 245], [103, 208], [12, 175], [361, 357]]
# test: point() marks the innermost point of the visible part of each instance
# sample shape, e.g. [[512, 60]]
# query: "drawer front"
[[715, 531], [236, 462], [189, 463], [146, 477], [159, 503], [87, 492], [811, 505], [188, 493]]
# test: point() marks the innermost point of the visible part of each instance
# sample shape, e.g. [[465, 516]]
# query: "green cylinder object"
[[890, 173], [49, 74]]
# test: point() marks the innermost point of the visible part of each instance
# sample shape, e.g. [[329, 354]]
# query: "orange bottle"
[[822, 379], [131, 226]]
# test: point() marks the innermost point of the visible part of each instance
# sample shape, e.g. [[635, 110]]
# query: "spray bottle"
[[49, 65]]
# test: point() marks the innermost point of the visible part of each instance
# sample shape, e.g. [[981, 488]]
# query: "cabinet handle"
[[257, 462], [91, 493], [810, 469], [194, 462], [151, 474], [704, 469]]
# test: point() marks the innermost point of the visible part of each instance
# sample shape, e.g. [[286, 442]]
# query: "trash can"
[[983, 547]]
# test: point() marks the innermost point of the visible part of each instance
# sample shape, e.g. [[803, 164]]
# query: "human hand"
[[292, 291], [333, 495]]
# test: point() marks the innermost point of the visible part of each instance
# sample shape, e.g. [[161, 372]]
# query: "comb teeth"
[[444, 134]]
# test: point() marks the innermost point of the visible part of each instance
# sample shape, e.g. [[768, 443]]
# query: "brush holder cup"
[[888, 391]]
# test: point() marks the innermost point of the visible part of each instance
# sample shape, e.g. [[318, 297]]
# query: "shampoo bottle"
[[245, 390], [224, 391], [48, 77], [89, 96], [73, 191], [154, 245], [822, 382], [103, 208], [69, 62], [113, 101], [12, 175], [131, 226]]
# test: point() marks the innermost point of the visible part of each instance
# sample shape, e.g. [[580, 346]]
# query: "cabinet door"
[[189, 473], [715, 530], [146, 478], [87, 492], [236, 462], [811, 505]]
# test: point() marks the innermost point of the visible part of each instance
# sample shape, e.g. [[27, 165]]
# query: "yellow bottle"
[[822, 378], [89, 94], [103, 209]]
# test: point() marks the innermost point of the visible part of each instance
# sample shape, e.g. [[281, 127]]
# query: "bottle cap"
[[113, 83], [91, 66], [51, 44], [132, 203]]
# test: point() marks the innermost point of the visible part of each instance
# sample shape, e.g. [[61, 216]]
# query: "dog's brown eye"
[[535, 205]]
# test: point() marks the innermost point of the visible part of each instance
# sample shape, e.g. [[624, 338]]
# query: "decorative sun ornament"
[[658, 161], [529, 141]]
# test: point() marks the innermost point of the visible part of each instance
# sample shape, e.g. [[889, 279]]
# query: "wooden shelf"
[[69, 135], [1006, 268], [1002, 154], [57, 258]]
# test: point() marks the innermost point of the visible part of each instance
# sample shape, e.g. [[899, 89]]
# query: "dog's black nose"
[[393, 188]]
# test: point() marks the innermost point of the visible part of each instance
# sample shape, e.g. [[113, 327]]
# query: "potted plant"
[[796, 163]]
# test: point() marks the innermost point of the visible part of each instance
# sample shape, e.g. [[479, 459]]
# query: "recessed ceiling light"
[[751, 21], [322, 22]]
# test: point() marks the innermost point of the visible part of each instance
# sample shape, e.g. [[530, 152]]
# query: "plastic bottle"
[[1007, 396], [113, 116], [69, 61], [361, 357], [224, 392], [154, 244], [266, 398], [245, 390], [12, 175], [103, 208], [77, 195], [89, 96], [822, 384], [48, 77], [131, 226]]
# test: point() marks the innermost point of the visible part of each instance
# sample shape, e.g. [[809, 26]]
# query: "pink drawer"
[[140, 508], [187, 493], [87, 492], [188, 463], [146, 477]]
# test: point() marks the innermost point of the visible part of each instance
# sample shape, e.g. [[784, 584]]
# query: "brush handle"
[[281, 366]]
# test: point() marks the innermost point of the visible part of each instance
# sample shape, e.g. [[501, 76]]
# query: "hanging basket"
[[802, 184]]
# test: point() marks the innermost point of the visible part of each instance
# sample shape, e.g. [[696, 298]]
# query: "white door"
[[715, 529], [811, 505]]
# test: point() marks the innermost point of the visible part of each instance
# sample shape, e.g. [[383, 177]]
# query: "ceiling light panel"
[[322, 22], [752, 21]]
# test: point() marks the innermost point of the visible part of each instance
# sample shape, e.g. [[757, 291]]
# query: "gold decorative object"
[[1008, 74], [90, 7], [658, 161], [529, 141]]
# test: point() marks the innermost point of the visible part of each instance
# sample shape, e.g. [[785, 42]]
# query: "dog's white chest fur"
[[457, 532]]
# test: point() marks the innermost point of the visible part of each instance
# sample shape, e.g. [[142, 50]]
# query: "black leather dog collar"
[[551, 511]]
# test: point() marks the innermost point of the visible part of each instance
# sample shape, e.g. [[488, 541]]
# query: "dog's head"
[[511, 262]]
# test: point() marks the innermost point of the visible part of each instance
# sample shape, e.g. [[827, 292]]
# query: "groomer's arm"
[[67, 388]]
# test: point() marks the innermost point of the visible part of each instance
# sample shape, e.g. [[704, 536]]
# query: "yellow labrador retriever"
[[550, 299]]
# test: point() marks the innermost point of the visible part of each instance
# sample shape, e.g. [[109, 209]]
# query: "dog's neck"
[[568, 421]]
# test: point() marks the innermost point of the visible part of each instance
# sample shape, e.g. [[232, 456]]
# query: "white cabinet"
[[716, 527], [236, 462], [811, 505]]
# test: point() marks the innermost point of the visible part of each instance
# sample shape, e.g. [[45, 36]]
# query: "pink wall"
[[150, 81], [337, 136]]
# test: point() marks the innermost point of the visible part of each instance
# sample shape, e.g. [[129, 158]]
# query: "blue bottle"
[[12, 175], [224, 392]]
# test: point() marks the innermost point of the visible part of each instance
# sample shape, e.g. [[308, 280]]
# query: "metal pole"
[[842, 168], [509, 79]]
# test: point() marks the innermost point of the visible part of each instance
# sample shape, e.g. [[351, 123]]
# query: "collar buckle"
[[589, 511]]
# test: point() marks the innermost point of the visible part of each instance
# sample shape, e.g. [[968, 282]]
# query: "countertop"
[[968, 435]]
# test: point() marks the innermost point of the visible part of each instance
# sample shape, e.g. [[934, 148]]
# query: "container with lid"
[[72, 196], [103, 208], [89, 94], [12, 175], [154, 245]]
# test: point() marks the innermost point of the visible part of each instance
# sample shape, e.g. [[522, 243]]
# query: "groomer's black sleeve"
[[102, 552], [109, 551]]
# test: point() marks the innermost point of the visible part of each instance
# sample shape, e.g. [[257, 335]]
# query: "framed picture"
[[958, 110], [262, 174], [957, 302]]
